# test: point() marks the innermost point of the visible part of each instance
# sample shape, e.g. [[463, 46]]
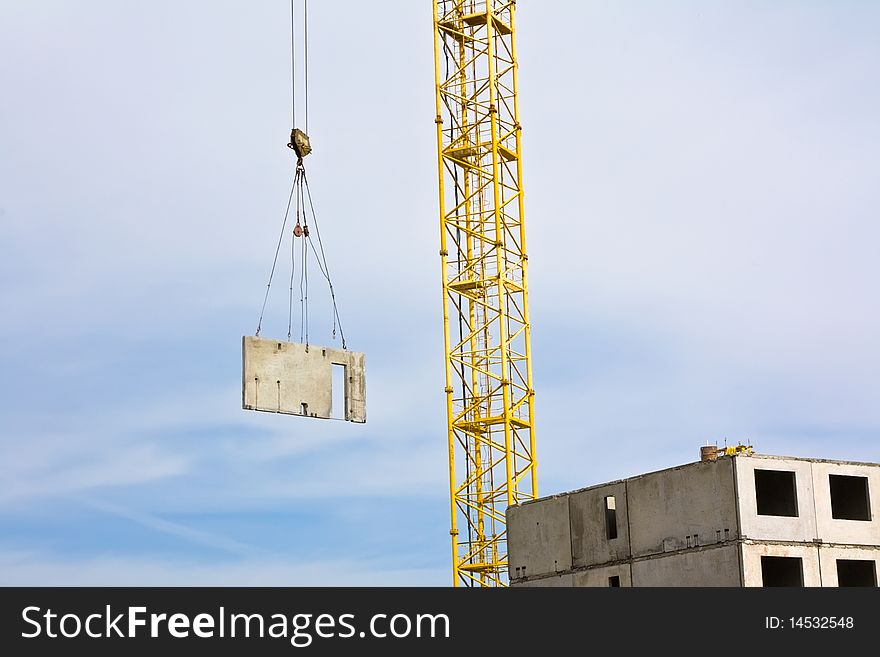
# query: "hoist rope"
[[325, 269], [304, 289], [306, 49], [293, 70], [302, 212], [275, 261], [292, 65], [290, 293]]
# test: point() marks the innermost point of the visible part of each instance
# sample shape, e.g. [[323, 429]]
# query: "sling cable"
[[301, 208]]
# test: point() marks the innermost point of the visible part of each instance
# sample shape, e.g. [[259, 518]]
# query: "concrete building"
[[739, 520]]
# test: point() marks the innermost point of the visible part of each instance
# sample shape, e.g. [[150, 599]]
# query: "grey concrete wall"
[[598, 577], [714, 566], [829, 555], [751, 559], [589, 542], [780, 528], [684, 507], [279, 377], [539, 537], [831, 530], [553, 581]]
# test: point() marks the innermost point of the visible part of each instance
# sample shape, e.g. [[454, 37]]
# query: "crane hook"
[[299, 142]]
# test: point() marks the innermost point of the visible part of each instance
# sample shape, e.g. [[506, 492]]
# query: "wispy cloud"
[[155, 523], [50, 465], [23, 568]]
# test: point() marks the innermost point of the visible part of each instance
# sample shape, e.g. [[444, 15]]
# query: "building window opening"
[[776, 493], [849, 497], [855, 572], [610, 517], [782, 571], [338, 398]]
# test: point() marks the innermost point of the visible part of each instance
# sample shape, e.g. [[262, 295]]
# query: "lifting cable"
[[306, 54], [300, 199], [275, 261]]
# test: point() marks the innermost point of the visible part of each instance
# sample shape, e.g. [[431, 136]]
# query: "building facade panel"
[[539, 537], [716, 566], [599, 525], [683, 507], [614, 575], [847, 497], [762, 483], [849, 566], [775, 564], [552, 581]]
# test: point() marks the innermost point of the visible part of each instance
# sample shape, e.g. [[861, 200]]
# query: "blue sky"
[[702, 193]]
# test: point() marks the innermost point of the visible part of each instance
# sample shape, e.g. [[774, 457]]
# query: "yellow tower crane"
[[489, 393]]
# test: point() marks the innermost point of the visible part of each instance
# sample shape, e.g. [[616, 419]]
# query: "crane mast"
[[489, 393]]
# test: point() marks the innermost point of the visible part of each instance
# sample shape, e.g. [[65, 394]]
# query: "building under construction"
[[736, 520]]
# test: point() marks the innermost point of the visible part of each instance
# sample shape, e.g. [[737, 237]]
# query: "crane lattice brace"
[[489, 393]]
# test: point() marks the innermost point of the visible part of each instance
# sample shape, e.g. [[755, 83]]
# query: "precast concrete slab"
[[836, 562], [712, 566], [553, 581], [847, 498], [599, 525], [539, 537], [603, 576], [760, 560], [795, 524], [680, 508], [297, 379]]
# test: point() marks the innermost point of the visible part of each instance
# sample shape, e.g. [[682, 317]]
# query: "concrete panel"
[[553, 581], [831, 530], [590, 544], [718, 566], [295, 379], [752, 553], [779, 528], [598, 577], [828, 557], [539, 537], [689, 506]]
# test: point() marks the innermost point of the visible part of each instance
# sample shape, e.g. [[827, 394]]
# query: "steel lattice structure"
[[489, 393]]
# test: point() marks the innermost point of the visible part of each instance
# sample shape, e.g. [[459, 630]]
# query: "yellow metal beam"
[[486, 333]]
